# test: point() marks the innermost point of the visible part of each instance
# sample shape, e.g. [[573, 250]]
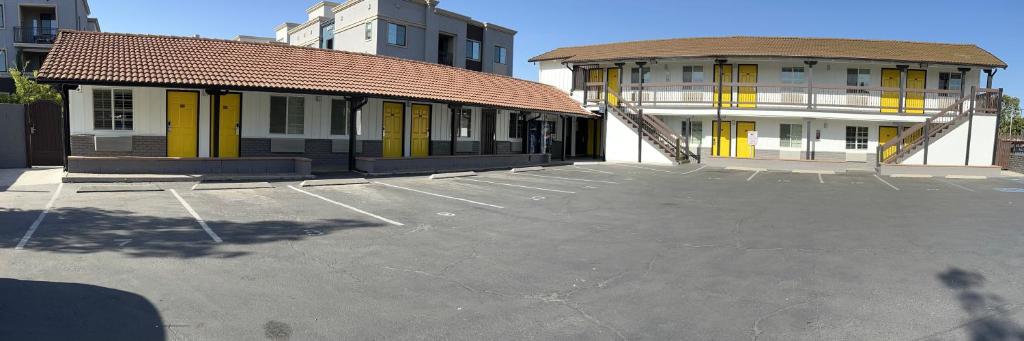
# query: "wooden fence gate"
[[46, 131]]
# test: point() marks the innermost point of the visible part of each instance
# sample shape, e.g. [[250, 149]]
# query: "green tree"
[[1010, 117], [27, 90]]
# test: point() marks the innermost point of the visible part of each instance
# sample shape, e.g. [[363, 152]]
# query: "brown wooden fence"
[[1008, 146]]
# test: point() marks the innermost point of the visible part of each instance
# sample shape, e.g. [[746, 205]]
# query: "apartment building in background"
[[847, 100], [29, 27], [410, 29]]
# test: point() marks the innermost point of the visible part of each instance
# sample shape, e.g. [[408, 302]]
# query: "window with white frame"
[[339, 117], [396, 34], [693, 74], [368, 30], [472, 49], [500, 55], [635, 75], [857, 77], [793, 75], [3, 59], [790, 135], [950, 81], [696, 132], [466, 123], [112, 109], [516, 125], [856, 138], [287, 115]]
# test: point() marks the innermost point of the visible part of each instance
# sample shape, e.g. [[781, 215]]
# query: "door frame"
[[215, 125], [167, 139], [430, 123], [718, 144], [739, 92], [383, 127], [924, 98], [880, 143], [753, 149]]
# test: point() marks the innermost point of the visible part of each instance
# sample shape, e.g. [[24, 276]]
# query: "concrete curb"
[[588, 163], [749, 169], [807, 171], [527, 169], [451, 175], [213, 186], [917, 176], [967, 177], [333, 182], [118, 188]]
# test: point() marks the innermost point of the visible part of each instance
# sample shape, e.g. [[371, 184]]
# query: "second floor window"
[[396, 34], [112, 109], [472, 50], [287, 115], [859, 78], [368, 30], [635, 75], [950, 81], [500, 55], [793, 75], [693, 74]]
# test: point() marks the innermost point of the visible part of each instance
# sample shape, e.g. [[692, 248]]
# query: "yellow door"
[[229, 125], [886, 134], [747, 94], [743, 148], [394, 114], [613, 87], [726, 79], [891, 99], [182, 123], [723, 147], [915, 99], [420, 144], [591, 139]]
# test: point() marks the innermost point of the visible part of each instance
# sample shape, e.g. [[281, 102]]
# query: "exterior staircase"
[[655, 132], [920, 136]]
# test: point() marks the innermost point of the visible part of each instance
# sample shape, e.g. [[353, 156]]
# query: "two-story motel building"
[[890, 102]]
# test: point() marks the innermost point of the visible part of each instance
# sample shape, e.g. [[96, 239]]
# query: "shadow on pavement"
[[90, 230], [988, 318], [33, 310]]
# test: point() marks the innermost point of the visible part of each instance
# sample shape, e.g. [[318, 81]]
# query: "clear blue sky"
[[546, 24]]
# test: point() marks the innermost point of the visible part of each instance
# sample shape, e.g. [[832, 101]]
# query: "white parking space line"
[[695, 170], [569, 179], [885, 182], [644, 168], [956, 185], [753, 175], [386, 220], [521, 186], [209, 231], [39, 219], [592, 170], [439, 195], [820, 179]]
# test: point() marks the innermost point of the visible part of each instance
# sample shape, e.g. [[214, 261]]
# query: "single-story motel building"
[[162, 104], [889, 103]]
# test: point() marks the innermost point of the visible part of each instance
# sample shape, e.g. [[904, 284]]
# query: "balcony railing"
[[446, 59], [35, 35], [777, 96]]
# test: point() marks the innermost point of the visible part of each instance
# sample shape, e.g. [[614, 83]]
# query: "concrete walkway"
[[30, 176]]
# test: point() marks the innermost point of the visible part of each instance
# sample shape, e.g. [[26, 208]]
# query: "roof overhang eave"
[[578, 61]]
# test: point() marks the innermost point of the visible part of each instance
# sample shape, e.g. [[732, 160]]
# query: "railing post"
[[640, 116], [810, 82], [717, 145], [970, 125], [679, 150], [903, 88], [605, 82], [927, 139], [689, 135], [999, 116]]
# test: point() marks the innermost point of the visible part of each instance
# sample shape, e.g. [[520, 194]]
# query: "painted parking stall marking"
[[440, 195], [386, 220], [520, 186], [39, 220], [202, 223], [568, 179], [885, 182]]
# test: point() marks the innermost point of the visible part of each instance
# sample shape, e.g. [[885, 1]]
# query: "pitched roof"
[[828, 48], [79, 57]]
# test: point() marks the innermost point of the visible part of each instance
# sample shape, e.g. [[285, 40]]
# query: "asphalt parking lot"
[[587, 252]]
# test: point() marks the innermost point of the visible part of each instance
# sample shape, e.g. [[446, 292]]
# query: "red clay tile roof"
[[145, 60], [826, 48]]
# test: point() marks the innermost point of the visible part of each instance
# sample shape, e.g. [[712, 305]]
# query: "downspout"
[[66, 117], [716, 148], [355, 104], [640, 116]]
